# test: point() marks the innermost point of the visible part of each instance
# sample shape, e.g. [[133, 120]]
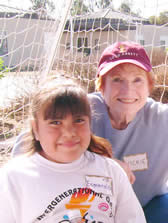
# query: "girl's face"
[[63, 140], [126, 89]]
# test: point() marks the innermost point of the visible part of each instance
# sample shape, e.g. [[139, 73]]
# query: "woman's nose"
[[126, 86]]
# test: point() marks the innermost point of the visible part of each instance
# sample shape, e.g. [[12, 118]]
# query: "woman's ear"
[[102, 87], [35, 129], [102, 90]]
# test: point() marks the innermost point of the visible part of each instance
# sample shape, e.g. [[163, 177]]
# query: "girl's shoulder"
[[16, 164], [103, 163]]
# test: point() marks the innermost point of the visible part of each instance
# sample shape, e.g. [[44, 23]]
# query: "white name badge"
[[137, 162], [99, 184]]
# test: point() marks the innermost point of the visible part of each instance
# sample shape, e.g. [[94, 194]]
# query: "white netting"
[[27, 50], [68, 41]]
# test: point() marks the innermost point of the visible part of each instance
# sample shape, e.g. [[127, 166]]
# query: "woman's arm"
[[128, 171]]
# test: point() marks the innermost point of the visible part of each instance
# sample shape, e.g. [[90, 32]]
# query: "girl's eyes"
[[79, 120], [55, 122]]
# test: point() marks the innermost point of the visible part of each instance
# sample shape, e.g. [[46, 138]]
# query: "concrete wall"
[[28, 40], [96, 41], [25, 39], [152, 35]]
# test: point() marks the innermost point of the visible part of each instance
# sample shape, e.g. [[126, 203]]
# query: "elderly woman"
[[135, 124]]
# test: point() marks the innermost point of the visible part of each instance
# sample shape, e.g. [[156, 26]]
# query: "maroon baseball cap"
[[123, 52]]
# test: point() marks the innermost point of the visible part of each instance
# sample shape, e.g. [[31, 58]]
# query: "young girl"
[[66, 173]]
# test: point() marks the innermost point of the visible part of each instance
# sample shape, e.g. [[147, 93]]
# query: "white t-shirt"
[[34, 189]]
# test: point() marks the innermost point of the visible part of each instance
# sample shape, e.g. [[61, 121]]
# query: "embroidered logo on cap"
[[122, 49]]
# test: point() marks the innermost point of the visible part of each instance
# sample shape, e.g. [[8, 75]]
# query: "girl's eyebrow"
[[79, 115], [55, 118], [63, 117]]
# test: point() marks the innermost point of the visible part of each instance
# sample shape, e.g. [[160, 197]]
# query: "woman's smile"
[[125, 93], [127, 101]]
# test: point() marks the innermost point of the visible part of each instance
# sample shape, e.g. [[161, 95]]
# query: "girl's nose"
[[69, 131]]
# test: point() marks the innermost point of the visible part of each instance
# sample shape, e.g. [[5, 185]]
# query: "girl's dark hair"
[[58, 98]]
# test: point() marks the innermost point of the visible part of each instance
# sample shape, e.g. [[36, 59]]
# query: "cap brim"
[[111, 65]]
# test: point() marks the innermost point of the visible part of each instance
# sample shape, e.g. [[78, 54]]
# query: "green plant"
[[3, 69]]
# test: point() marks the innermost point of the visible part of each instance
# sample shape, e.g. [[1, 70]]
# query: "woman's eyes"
[[138, 79], [119, 80], [116, 79]]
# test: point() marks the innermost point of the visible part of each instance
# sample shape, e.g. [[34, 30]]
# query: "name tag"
[[137, 162], [99, 184]]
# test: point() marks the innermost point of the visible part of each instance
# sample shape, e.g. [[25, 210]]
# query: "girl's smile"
[[63, 139]]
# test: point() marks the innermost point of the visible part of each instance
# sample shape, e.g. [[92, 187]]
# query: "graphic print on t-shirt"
[[80, 205]]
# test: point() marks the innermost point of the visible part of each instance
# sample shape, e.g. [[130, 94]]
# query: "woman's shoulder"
[[95, 97], [97, 102], [155, 112], [156, 107]]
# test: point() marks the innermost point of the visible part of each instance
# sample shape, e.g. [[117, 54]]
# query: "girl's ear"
[[35, 129]]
